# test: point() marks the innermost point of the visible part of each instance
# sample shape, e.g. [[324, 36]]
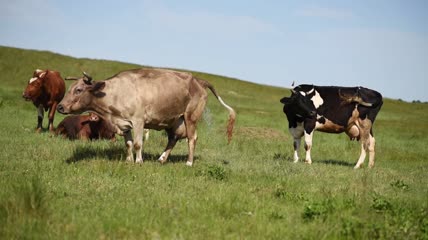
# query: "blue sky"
[[380, 44]]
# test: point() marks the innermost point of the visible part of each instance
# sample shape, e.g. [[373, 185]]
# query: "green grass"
[[53, 188]]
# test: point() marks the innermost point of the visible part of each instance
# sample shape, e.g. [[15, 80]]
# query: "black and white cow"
[[333, 110]]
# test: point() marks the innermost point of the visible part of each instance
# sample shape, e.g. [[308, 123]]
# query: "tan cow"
[[146, 98]]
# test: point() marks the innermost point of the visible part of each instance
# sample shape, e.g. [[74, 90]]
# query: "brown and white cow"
[[45, 89], [90, 126], [146, 98], [352, 110]]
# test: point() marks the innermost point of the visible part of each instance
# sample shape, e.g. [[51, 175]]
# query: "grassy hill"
[[53, 188]]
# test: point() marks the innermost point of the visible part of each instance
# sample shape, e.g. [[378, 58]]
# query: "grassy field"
[[53, 188]]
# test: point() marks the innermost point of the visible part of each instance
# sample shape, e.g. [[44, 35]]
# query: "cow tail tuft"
[[232, 113], [230, 125]]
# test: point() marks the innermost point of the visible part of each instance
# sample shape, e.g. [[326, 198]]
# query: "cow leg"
[[174, 134], [129, 146], [172, 140], [191, 118], [364, 126], [146, 134], [40, 115], [193, 113], [297, 133], [308, 146], [364, 147], [51, 116], [192, 136], [296, 145], [138, 143], [371, 151]]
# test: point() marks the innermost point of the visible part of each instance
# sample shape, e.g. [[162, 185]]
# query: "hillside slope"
[[53, 188], [17, 66]]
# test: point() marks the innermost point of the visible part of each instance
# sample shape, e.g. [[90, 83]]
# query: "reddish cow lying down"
[[86, 127]]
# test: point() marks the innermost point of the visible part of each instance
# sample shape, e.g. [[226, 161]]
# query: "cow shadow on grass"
[[337, 162], [284, 157], [116, 153]]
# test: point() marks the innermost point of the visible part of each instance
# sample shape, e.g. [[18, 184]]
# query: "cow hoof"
[[189, 163], [296, 161], [129, 159], [308, 162], [162, 158], [38, 130], [356, 167], [139, 161]]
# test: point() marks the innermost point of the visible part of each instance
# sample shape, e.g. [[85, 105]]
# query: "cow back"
[[54, 85], [159, 97], [333, 107]]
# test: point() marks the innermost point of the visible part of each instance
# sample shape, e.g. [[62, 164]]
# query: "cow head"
[[34, 86], [299, 104], [80, 95]]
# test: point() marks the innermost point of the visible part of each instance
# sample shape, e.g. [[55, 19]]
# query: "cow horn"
[[88, 78], [311, 91], [292, 88]]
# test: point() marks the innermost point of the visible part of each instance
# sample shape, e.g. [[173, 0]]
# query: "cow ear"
[[97, 87], [93, 117], [285, 100]]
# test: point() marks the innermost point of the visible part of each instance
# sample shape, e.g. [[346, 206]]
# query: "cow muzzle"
[[26, 96], [60, 109]]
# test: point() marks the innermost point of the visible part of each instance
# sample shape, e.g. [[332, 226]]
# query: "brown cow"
[[86, 127], [45, 89], [146, 98]]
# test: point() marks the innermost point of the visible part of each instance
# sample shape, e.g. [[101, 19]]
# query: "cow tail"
[[232, 113]]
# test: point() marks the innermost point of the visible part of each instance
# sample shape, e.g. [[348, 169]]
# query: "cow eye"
[[79, 90]]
